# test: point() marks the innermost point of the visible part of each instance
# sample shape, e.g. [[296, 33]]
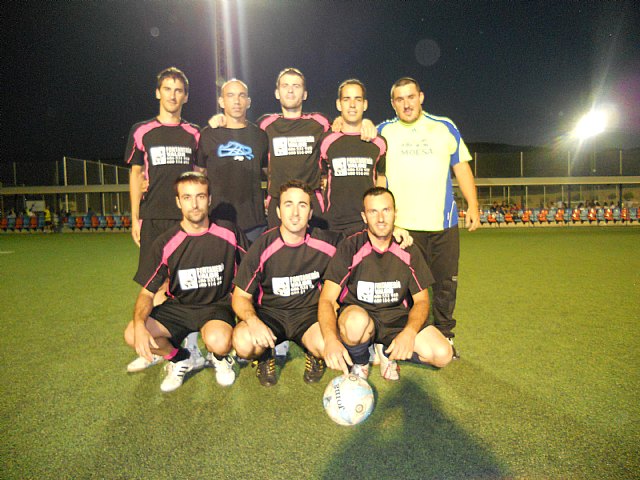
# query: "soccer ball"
[[348, 399]]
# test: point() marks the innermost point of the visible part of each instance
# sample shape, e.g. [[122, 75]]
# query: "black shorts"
[[288, 324], [181, 320], [387, 325]]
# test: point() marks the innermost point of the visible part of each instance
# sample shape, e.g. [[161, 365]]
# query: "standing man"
[[383, 297], [199, 258], [294, 142], [351, 165], [233, 157], [278, 285], [422, 151], [159, 150]]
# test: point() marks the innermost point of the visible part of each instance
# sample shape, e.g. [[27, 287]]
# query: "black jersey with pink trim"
[[164, 151], [200, 267], [379, 282], [283, 276], [352, 166], [294, 148], [234, 159]]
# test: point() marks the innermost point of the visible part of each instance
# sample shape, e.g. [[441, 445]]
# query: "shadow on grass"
[[408, 437]]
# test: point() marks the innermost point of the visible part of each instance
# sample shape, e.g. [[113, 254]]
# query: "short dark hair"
[[377, 191], [352, 81], [176, 74], [192, 177], [291, 71], [404, 81], [304, 186]]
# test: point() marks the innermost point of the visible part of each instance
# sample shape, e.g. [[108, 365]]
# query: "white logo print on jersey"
[[296, 285], [352, 166], [293, 145], [378, 292], [202, 277], [170, 155]]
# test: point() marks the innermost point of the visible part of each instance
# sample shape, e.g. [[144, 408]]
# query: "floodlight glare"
[[591, 124]]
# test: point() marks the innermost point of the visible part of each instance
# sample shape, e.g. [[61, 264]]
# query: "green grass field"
[[547, 386]]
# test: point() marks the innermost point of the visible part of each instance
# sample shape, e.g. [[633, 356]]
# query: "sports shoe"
[[456, 356], [314, 368], [175, 374], [266, 371], [225, 373], [361, 370], [281, 351], [142, 363], [389, 369], [197, 360]]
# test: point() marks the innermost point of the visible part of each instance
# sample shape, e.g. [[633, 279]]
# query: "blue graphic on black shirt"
[[236, 150]]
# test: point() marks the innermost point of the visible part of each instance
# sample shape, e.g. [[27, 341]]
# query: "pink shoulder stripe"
[[321, 119], [223, 233], [141, 131], [406, 258], [270, 251], [400, 253], [268, 120], [171, 246], [322, 246], [327, 142], [365, 250], [187, 127], [380, 144]]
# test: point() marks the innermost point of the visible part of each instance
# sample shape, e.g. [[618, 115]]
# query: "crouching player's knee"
[[217, 337], [432, 348]]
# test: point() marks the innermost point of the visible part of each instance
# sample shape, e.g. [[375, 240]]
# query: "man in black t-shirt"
[[383, 297], [278, 285], [198, 258], [159, 150], [233, 157], [350, 164]]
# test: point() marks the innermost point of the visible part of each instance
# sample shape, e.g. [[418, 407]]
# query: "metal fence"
[[537, 177]]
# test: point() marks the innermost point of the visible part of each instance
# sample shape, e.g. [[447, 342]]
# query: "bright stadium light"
[[591, 124]]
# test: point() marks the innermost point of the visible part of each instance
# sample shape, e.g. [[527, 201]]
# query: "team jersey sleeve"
[[202, 153], [248, 277], [157, 271], [132, 154], [422, 277], [338, 269], [381, 165]]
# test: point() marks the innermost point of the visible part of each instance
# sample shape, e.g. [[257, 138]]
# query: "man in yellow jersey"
[[422, 151]]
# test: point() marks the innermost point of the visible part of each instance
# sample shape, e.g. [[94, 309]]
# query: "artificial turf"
[[547, 386]]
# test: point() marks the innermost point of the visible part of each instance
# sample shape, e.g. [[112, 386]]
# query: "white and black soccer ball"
[[348, 399]]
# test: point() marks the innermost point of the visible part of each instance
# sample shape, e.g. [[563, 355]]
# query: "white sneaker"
[[175, 374], [197, 360], [142, 363], [360, 370], [389, 369], [225, 372], [282, 349]]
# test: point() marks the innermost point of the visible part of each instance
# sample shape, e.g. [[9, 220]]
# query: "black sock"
[[181, 354], [359, 353]]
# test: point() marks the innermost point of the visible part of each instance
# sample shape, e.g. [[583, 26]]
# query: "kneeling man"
[[199, 257], [278, 286], [383, 298]]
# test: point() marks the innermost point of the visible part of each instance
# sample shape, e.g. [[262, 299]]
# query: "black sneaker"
[[314, 368], [456, 356], [266, 371]]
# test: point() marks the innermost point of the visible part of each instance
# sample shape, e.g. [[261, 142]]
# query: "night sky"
[[78, 74]]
